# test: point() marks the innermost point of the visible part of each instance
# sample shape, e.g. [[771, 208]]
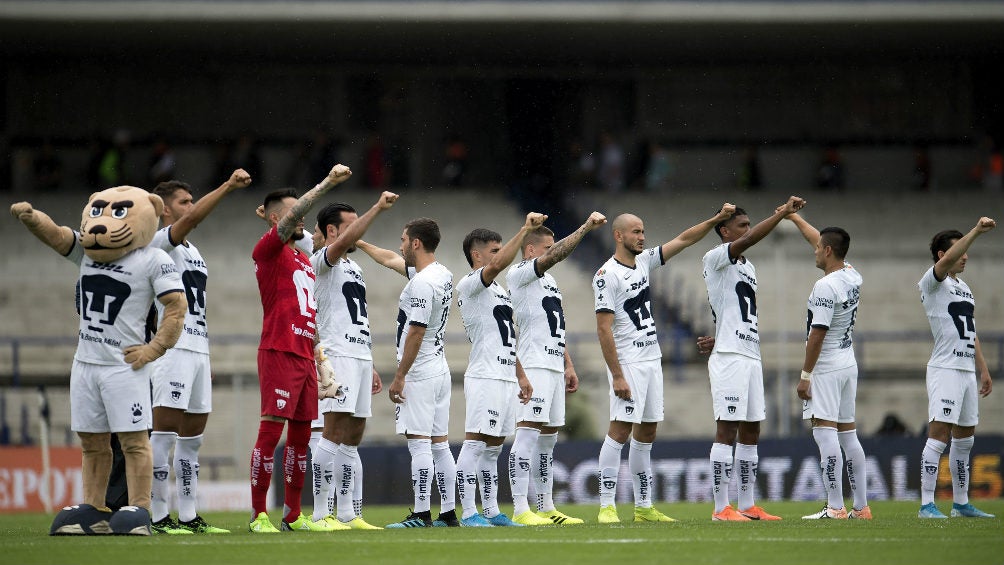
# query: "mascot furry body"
[[109, 383]]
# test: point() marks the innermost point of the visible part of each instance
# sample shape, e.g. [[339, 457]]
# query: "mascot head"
[[117, 220]]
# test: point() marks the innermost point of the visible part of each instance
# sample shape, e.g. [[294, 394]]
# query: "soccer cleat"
[[199, 526], [262, 525], [169, 527], [357, 523], [476, 521], [729, 514], [560, 518], [305, 524], [502, 521], [828, 513], [446, 520], [863, 514], [929, 510], [608, 515], [530, 518], [650, 514], [413, 520], [968, 511], [757, 513], [336, 524]]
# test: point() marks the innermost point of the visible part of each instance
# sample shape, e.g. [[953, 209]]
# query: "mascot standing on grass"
[[120, 277]]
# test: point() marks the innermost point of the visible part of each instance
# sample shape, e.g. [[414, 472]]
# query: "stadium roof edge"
[[623, 12]]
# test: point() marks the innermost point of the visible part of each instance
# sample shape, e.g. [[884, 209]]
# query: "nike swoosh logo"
[[136, 420]]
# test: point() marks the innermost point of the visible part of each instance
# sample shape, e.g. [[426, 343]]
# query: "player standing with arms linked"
[[631, 350], [287, 374], [956, 372]]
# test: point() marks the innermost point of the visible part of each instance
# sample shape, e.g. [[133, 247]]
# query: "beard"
[[634, 251], [298, 234]]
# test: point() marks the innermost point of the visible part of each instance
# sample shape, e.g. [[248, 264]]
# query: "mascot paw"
[[139, 355], [20, 209], [81, 520], [131, 521]]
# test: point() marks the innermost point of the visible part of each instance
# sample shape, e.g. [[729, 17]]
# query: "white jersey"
[[115, 299], [425, 301], [340, 291], [833, 305], [624, 291], [536, 302], [194, 274], [951, 310], [732, 295], [487, 314]]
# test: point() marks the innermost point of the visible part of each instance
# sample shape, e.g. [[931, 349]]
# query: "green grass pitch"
[[896, 535]]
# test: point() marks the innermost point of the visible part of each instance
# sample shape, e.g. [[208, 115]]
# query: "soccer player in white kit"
[[541, 350], [182, 379], [344, 334], [494, 383], [734, 367], [829, 381], [627, 336], [421, 387], [956, 372]]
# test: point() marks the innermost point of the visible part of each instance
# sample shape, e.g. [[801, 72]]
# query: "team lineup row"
[[316, 332]]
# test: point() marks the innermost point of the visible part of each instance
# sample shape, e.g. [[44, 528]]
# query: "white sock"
[[161, 443], [357, 485], [186, 475], [421, 472], [830, 463], [519, 467], [856, 464], [446, 475], [721, 474], [543, 459], [343, 466], [930, 460], [322, 465], [746, 460], [640, 464], [488, 471], [315, 436], [958, 458], [610, 466], [467, 475]]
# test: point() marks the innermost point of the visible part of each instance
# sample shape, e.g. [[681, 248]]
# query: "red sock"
[[295, 467], [262, 455]]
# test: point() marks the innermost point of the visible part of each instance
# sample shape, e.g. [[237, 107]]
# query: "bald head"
[[623, 221]]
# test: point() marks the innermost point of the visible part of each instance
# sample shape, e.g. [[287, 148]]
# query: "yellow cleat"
[[262, 525], [650, 514], [305, 524], [530, 518], [608, 515], [356, 523], [560, 518]]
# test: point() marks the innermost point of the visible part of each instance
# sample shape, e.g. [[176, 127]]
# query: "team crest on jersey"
[[732, 409], [600, 283], [280, 403], [947, 411], [175, 395], [629, 410], [537, 410]]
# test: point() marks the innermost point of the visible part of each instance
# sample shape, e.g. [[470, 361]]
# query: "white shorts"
[[426, 408], [356, 376], [953, 396], [547, 405], [182, 379], [491, 406], [833, 395], [736, 387], [646, 404], [109, 398]]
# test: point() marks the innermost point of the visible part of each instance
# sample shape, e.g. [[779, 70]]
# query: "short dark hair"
[[942, 241], [331, 215], [278, 196], [167, 188], [479, 237], [425, 230], [837, 239], [536, 235], [718, 227]]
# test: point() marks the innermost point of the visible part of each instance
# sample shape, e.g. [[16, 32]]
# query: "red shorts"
[[288, 385]]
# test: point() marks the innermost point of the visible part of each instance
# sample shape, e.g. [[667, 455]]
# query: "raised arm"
[[180, 229], [563, 248], [507, 253], [356, 229], [696, 233], [760, 231], [59, 238], [810, 233], [385, 257], [959, 248], [287, 224]]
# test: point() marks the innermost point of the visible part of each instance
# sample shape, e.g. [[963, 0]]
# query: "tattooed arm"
[[563, 248], [287, 225]]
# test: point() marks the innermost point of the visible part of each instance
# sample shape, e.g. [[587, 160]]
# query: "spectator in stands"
[[322, 152], [749, 172], [456, 160], [921, 168], [162, 162], [993, 177], [111, 165], [581, 165], [611, 171], [47, 168], [831, 170], [377, 172], [659, 169], [246, 155]]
